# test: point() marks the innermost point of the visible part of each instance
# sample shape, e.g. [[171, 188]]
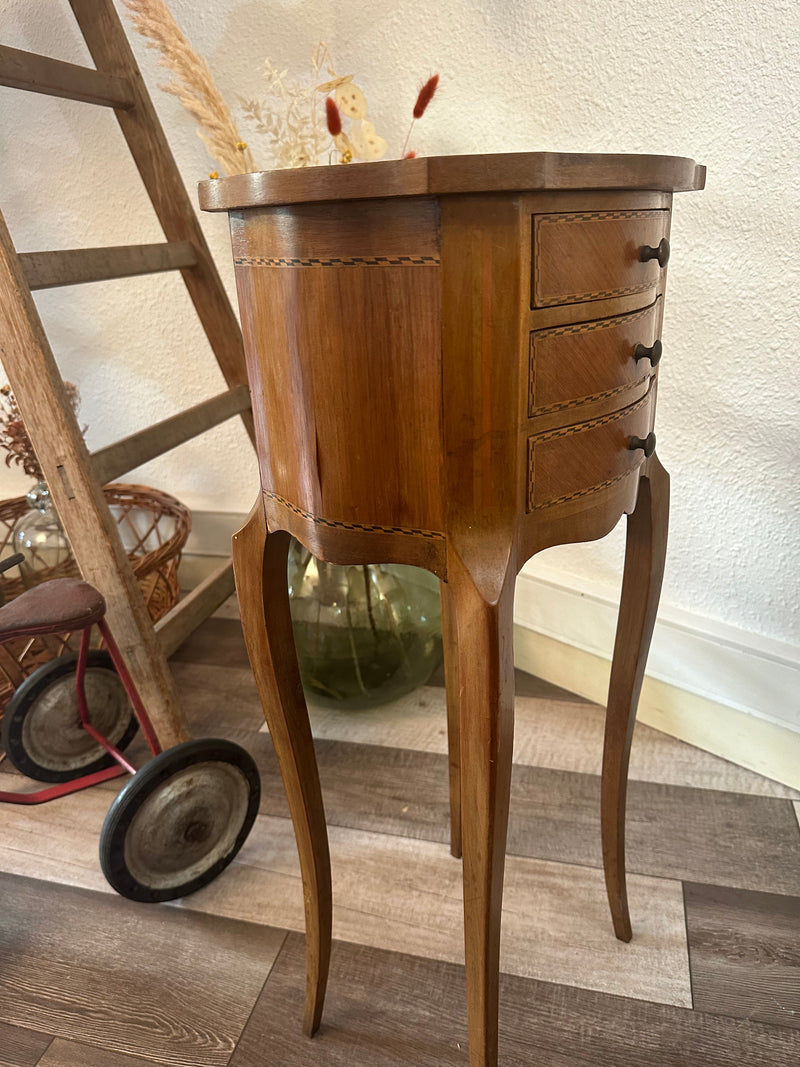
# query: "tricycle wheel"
[[180, 820], [41, 730]]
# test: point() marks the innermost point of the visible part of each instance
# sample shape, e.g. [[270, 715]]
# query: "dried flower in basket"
[[193, 85], [13, 435]]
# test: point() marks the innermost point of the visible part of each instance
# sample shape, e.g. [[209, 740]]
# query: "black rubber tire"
[[173, 828], [50, 691]]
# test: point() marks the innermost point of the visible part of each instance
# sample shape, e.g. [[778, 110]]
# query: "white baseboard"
[[726, 691]]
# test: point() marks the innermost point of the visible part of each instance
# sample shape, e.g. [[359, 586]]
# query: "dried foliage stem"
[[424, 97], [192, 85], [14, 437]]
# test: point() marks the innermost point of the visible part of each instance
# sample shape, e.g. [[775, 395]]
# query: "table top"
[[443, 175]]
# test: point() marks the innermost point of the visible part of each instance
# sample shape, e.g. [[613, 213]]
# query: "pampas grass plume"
[[193, 85]]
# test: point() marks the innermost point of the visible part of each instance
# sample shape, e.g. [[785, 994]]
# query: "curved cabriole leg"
[[259, 560], [645, 551], [450, 646], [486, 711]]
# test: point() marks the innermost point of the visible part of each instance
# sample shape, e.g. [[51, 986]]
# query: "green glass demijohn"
[[365, 635]]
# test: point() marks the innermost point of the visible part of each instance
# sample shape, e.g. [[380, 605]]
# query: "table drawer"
[[594, 255], [573, 461], [570, 365]]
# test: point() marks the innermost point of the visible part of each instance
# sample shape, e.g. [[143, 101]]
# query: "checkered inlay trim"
[[338, 261], [566, 431], [577, 328], [408, 531], [566, 218]]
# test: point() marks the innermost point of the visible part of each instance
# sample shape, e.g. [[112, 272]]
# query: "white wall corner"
[[722, 689]]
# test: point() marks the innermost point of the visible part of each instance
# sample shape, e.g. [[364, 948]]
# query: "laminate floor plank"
[[555, 734], [386, 1009], [745, 953], [57, 841], [673, 831], [152, 981], [21, 1047], [63, 1053], [699, 835], [406, 895]]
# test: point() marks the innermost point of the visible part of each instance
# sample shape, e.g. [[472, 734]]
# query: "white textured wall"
[[714, 80]]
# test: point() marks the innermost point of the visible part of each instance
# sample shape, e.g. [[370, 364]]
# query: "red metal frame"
[[41, 796]]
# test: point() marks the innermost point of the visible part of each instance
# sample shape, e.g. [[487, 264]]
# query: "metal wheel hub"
[[52, 734], [186, 824]]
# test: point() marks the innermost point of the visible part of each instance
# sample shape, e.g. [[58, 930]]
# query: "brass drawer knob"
[[648, 444], [653, 353], [661, 253]]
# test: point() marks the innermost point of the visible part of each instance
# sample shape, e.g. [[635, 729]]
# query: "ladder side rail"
[[56, 437], [41, 74], [112, 53]]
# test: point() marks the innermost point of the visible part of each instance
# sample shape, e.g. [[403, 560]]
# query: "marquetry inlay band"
[[601, 420], [601, 216], [597, 324], [338, 261], [334, 524], [568, 405], [566, 431], [567, 218], [578, 492], [577, 328]]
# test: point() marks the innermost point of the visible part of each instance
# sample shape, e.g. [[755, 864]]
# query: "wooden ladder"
[[76, 477]]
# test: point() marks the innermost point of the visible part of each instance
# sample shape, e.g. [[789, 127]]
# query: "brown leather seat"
[[53, 607]]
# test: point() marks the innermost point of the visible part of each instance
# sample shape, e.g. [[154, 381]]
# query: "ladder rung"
[[123, 456], [45, 270], [40, 74], [187, 615]]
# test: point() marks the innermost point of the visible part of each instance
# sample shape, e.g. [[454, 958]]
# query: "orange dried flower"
[[333, 117], [425, 96]]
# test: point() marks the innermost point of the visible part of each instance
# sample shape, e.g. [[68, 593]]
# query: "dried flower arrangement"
[[192, 85], [13, 435], [300, 131]]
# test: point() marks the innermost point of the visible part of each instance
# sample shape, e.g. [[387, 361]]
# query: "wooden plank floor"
[[712, 976]]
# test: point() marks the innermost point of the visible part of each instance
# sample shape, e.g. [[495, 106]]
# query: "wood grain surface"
[[405, 895], [745, 953], [386, 1009], [63, 951], [63, 1053], [20, 1046], [453, 174]]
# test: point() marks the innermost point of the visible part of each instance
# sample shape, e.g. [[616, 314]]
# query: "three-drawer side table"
[[453, 364]]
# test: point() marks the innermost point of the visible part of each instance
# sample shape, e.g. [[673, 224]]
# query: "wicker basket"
[[154, 527]]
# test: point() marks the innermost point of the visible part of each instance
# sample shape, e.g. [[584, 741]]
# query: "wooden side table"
[[453, 364]]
